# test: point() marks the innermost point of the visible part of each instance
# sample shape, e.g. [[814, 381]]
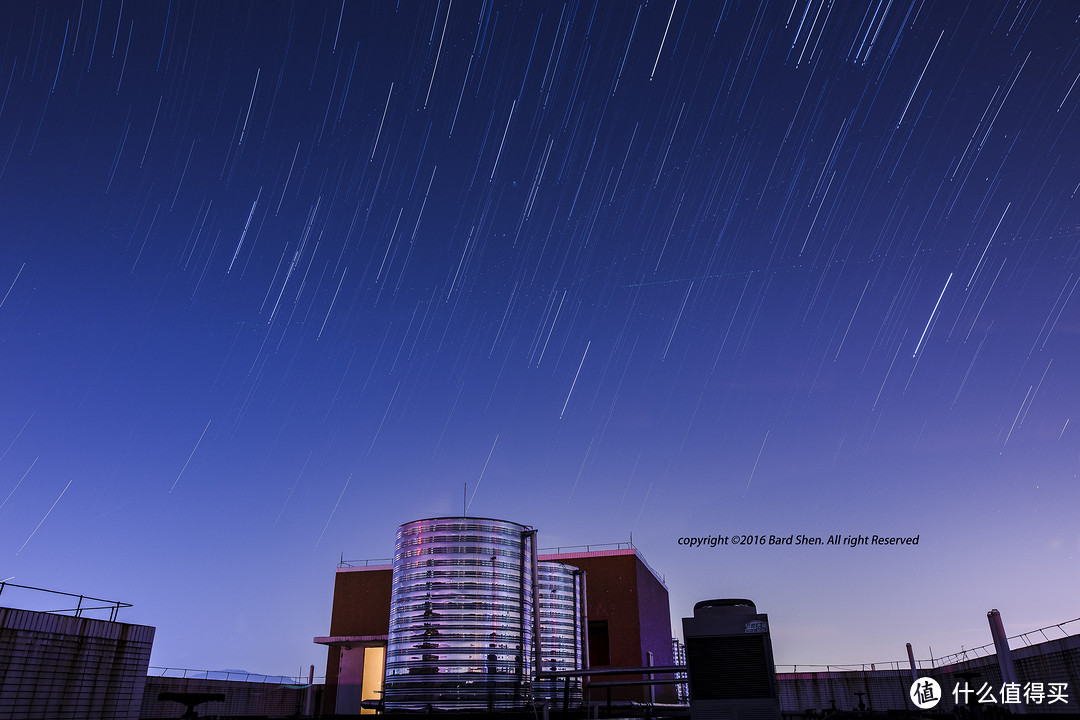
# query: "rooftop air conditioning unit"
[[729, 662]]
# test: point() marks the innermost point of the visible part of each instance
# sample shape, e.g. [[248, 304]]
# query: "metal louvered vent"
[[729, 662], [726, 668]]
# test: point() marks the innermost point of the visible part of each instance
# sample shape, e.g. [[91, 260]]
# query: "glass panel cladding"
[[461, 616], [559, 591]]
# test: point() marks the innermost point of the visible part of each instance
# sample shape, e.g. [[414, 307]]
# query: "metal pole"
[[911, 659], [536, 606], [643, 670], [652, 688], [586, 696], [1004, 656], [310, 691]]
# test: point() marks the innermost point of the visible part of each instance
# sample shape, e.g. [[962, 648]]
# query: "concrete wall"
[[1054, 661], [241, 698], [881, 689], [58, 666]]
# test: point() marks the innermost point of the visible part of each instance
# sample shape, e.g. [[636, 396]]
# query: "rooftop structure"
[[627, 625], [61, 663]]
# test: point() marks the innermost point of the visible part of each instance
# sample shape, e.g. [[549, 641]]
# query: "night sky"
[[276, 278]]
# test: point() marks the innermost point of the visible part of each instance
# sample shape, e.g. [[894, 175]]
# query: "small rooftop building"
[[628, 625], [55, 665]]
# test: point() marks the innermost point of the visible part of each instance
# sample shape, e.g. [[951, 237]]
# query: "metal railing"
[[891, 665], [596, 547], [1039, 635], [364, 563], [113, 606], [988, 649], [601, 547], [233, 675]]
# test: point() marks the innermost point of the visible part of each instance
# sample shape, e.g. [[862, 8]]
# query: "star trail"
[[278, 277]]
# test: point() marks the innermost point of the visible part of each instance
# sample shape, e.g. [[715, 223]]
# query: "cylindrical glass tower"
[[559, 590], [461, 616]]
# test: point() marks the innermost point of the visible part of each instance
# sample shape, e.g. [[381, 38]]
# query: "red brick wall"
[[361, 602]]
